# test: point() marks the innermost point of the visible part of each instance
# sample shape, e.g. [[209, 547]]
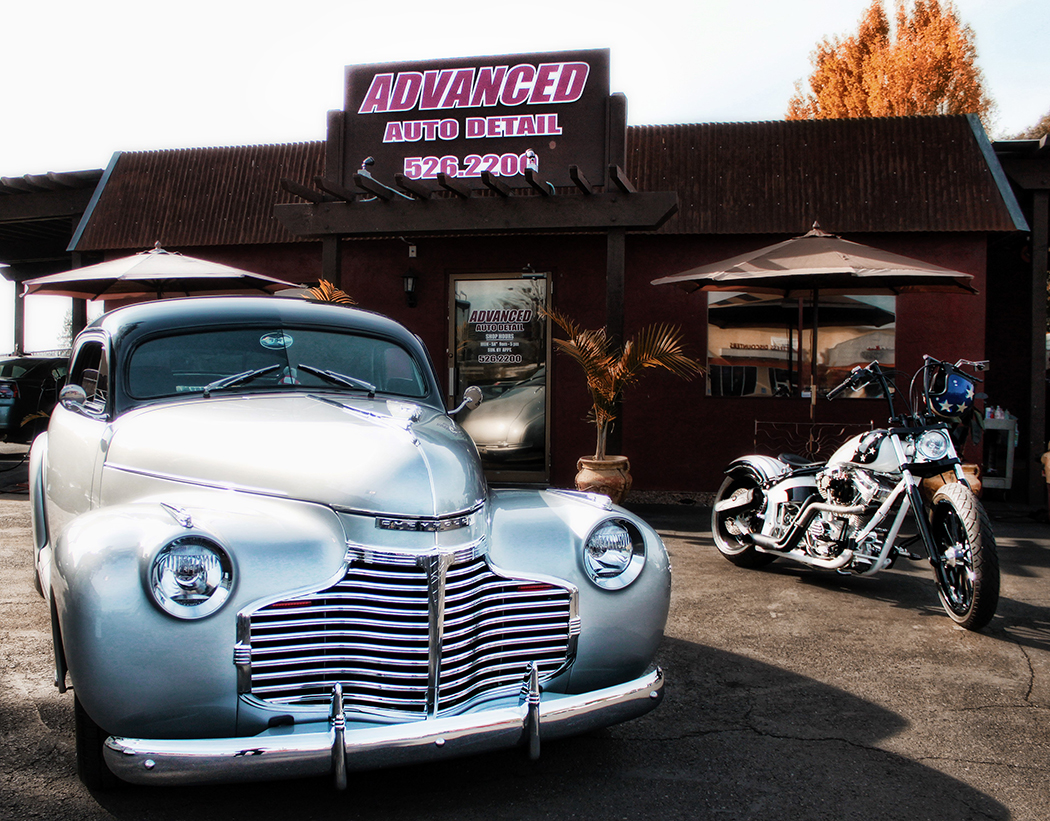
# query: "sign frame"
[[462, 117]]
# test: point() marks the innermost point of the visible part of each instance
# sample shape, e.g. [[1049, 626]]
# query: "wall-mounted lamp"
[[409, 279]]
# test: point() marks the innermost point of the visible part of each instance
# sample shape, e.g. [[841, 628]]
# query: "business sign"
[[496, 114]]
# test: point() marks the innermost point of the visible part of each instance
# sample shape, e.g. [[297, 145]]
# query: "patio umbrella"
[[154, 273], [783, 313], [820, 263]]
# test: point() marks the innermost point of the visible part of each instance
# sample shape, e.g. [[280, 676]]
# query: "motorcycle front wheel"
[[967, 565], [736, 505]]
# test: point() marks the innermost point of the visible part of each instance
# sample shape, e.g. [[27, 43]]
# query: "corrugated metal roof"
[[853, 176], [197, 196], [38, 213], [859, 175], [51, 181]]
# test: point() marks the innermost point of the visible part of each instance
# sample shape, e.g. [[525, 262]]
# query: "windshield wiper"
[[340, 379], [237, 379]]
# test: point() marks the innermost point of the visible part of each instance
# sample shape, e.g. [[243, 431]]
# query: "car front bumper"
[[308, 750]]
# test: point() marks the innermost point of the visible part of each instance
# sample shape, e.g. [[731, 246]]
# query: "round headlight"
[[191, 577], [933, 445], [614, 554]]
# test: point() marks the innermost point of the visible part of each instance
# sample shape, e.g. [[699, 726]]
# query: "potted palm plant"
[[609, 369], [325, 291]]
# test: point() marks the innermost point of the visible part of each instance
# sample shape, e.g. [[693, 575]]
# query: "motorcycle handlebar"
[[850, 383], [980, 366]]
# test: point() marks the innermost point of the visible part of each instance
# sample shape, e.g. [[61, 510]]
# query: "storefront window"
[[754, 341]]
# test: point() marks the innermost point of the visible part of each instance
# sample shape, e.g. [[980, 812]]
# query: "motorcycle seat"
[[796, 461]]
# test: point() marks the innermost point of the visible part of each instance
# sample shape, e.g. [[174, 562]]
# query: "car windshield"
[[210, 361]]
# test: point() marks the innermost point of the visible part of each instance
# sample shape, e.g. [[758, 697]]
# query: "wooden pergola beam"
[[580, 180], [494, 183], [413, 187], [335, 189], [478, 215]]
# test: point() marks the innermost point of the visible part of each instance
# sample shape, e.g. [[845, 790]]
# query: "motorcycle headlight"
[[933, 445], [191, 577], [614, 554]]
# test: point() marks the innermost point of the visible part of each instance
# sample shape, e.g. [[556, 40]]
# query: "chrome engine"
[[843, 485]]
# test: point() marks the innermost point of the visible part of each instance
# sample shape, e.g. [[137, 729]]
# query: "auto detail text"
[[497, 332]]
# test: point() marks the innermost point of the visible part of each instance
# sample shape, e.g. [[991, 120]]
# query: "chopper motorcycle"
[[848, 514]]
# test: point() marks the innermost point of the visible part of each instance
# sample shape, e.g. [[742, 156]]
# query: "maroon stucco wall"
[[676, 437]]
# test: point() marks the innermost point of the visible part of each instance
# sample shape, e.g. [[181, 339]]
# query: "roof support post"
[[332, 259], [615, 264], [20, 319], [1030, 452]]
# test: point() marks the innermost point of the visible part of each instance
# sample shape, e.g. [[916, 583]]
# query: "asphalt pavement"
[[790, 693]]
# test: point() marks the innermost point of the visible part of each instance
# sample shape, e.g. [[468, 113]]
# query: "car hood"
[[378, 456]]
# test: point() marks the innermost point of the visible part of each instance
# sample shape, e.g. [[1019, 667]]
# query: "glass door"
[[499, 342]]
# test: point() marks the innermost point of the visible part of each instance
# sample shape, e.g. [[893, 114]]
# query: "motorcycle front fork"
[[922, 523], [884, 559]]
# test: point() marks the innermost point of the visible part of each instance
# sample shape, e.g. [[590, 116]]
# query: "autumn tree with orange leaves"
[[925, 63]]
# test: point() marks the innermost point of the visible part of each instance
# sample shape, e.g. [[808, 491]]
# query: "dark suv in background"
[[29, 388]]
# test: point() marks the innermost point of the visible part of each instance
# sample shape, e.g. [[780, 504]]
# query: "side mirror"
[[72, 397], [471, 399]]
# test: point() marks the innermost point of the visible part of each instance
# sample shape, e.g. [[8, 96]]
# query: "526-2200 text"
[[501, 165]]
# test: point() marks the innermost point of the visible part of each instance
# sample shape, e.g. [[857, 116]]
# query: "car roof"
[[144, 318]]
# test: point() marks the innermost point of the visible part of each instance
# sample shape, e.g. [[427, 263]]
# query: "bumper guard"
[[309, 750]]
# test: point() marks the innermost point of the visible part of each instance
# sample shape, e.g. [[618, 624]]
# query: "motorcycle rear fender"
[[761, 468], [781, 485]]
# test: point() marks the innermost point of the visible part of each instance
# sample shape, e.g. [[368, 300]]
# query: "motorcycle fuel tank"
[[874, 450]]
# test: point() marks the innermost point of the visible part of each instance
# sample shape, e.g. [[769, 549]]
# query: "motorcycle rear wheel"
[[967, 568], [730, 526]]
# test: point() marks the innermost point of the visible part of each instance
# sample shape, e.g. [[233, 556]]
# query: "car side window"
[[91, 371]]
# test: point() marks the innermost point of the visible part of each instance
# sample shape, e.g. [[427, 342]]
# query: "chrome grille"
[[372, 632]]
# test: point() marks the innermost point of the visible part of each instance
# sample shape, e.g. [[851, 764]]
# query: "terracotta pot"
[[610, 476], [932, 484]]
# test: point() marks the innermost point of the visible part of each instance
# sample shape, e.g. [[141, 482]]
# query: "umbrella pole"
[[813, 361], [800, 327]]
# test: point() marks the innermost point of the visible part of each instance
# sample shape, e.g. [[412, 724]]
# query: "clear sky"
[[81, 80]]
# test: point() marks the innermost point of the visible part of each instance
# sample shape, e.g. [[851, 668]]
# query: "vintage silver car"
[[269, 552]]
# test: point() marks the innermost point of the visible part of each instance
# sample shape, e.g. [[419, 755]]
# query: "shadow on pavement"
[[735, 738]]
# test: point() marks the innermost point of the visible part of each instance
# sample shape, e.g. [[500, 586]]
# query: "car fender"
[[139, 670], [38, 516], [543, 532]]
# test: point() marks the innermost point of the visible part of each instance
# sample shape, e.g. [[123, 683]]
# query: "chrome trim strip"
[[306, 750], [260, 491], [436, 567], [196, 482], [353, 511], [380, 419], [400, 556], [598, 500]]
